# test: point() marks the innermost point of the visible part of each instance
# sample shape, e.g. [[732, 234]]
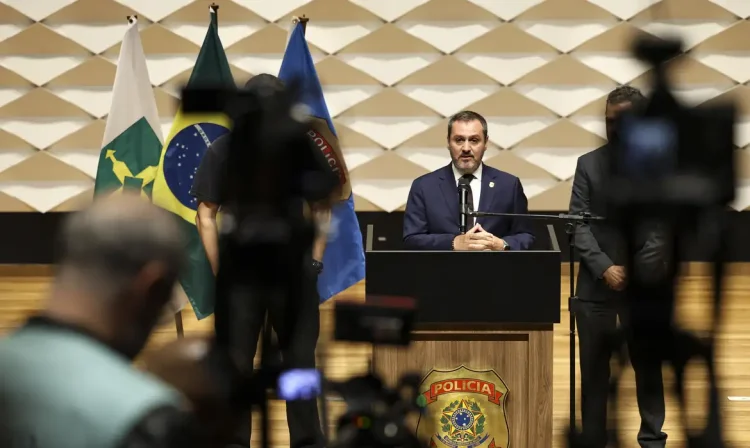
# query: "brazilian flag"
[[190, 136]]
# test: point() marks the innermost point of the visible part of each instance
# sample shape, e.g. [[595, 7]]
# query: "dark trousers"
[[298, 351], [597, 322]]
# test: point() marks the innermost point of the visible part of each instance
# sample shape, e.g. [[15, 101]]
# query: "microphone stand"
[[571, 222]]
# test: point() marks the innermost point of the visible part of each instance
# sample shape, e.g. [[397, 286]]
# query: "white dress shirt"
[[476, 186]]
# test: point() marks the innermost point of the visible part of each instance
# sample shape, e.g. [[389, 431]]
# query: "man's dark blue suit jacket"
[[431, 217]]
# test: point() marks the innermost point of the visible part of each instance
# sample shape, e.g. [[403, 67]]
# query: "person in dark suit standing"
[[601, 290], [431, 220]]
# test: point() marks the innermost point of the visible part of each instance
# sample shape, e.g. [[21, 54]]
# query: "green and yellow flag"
[[132, 137], [190, 136]]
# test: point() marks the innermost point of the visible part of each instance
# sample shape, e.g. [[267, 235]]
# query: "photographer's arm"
[[205, 221], [597, 261], [322, 217]]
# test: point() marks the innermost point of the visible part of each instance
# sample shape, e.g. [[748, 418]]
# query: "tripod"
[[571, 223]]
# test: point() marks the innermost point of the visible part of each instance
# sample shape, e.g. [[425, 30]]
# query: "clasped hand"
[[478, 239], [615, 277]]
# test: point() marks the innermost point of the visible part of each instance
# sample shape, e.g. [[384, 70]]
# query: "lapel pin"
[[492, 184]]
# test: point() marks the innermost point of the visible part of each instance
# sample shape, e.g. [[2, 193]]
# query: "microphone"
[[463, 199]]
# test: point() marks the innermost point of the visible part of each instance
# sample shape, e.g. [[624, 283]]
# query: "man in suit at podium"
[[431, 220], [601, 290]]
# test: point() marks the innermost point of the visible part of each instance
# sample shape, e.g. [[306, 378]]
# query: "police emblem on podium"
[[465, 409]]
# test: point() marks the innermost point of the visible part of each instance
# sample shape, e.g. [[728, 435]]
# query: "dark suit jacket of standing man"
[[431, 219], [599, 243]]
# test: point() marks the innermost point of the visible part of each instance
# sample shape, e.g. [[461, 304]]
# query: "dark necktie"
[[466, 180]]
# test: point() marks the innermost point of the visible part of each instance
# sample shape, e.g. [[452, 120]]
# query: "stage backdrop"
[[392, 70]]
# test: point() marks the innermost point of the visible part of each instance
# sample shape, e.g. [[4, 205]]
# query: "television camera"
[[673, 173], [274, 171]]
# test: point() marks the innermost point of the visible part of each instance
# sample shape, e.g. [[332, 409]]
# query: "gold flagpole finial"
[[303, 20]]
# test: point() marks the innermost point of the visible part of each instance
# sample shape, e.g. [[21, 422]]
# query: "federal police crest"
[[465, 408]]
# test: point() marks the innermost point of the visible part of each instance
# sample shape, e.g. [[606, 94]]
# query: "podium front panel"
[[470, 287], [482, 389]]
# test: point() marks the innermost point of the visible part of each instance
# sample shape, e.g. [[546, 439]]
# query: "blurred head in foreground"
[[119, 263]]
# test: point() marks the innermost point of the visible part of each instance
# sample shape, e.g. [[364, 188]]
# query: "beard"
[[465, 165]]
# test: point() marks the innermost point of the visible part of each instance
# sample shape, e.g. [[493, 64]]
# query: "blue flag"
[[344, 257]]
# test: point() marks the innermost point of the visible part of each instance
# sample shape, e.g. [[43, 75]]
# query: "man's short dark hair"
[[467, 115], [264, 81], [626, 94]]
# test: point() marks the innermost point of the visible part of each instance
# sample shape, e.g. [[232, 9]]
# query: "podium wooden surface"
[[520, 355], [497, 316]]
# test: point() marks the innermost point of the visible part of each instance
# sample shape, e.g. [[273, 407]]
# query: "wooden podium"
[[483, 340]]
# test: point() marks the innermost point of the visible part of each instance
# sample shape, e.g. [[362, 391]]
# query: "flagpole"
[[321, 354], [178, 314]]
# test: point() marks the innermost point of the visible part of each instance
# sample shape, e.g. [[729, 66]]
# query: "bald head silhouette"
[[119, 262]]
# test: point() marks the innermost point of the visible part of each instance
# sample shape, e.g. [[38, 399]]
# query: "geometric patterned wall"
[[392, 70]]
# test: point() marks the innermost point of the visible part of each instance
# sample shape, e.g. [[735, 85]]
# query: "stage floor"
[[23, 289]]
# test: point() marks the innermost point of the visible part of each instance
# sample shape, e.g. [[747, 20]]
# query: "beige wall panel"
[[698, 10], [177, 83], [9, 79], [39, 40], [433, 58], [506, 161], [271, 39], [389, 166], [389, 103], [506, 102], [565, 10], [89, 136], [10, 15], [594, 108], [734, 38], [76, 202], [447, 71], [352, 139], [11, 204], [363, 205], [435, 137], [388, 39], [565, 70], [40, 103], [166, 104], [332, 71], [326, 11], [740, 95], [556, 198], [10, 141], [562, 134], [617, 39], [197, 12], [94, 72], [92, 12], [158, 40], [448, 10], [508, 38], [42, 167], [742, 161]]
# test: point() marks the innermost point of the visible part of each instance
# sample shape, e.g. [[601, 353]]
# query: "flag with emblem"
[[188, 139], [344, 256], [132, 136]]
